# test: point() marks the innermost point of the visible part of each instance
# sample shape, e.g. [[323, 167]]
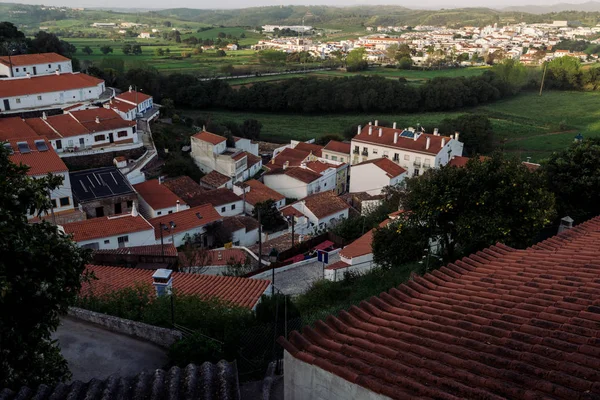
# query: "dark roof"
[[237, 222], [215, 179], [150, 250], [338, 147], [184, 187], [207, 381], [309, 147], [215, 197], [501, 323], [324, 204], [99, 183]]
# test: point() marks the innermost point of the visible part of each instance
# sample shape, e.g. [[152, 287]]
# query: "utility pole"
[[543, 78]]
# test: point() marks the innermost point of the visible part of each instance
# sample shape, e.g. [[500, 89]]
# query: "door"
[[99, 212], [58, 145], [6, 105], [118, 209], [111, 138], [35, 70]]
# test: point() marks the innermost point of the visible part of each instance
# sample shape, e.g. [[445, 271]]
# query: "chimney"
[[443, 142], [370, 130], [57, 72], [436, 132], [97, 120], [380, 132], [160, 180], [395, 137], [370, 123], [286, 164], [456, 136], [28, 75], [415, 136], [359, 129], [44, 116], [427, 143], [162, 281], [376, 122], [395, 125], [130, 88], [177, 207], [565, 224], [134, 212]]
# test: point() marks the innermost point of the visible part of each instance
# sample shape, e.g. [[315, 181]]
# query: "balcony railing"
[[365, 153], [417, 163], [426, 166], [356, 151]]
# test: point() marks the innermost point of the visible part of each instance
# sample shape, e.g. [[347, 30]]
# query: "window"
[[81, 141], [327, 157], [58, 144], [407, 157], [356, 149], [24, 69], [49, 66], [133, 129], [99, 138], [122, 240], [17, 69], [233, 206], [159, 213], [334, 158], [171, 212], [396, 157], [222, 209], [39, 97], [91, 246], [89, 91], [122, 134], [375, 151], [99, 212], [18, 101], [129, 203], [342, 159], [107, 241], [64, 201], [325, 184], [53, 202], [118, 208], [416, 173]]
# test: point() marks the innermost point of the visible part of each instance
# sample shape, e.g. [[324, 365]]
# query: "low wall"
[[267, 273], [160, 336], [102, 159]]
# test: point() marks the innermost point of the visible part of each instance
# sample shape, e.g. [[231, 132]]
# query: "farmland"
[[526, 125]]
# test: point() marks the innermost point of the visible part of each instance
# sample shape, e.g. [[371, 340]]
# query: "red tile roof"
[[46, 84], [389, 167], [150, 250], [215, 179], [242, 292], [309, 147], [186, 220], [289, 211], [122, 106], [15, 127], [360, 247], [107, 119], [209, 137], [39, 162], [32, 59], [319, 166], [102, 227], [337, 265], [133, 97], [302, 174], [239, 156], [387, 139], [501, 323], [156, 195], [184, 187], [252, 159], [458, 161], [294, 157], [260, 192], [223, 257], [325, 204], [216, 197], [338, 147]]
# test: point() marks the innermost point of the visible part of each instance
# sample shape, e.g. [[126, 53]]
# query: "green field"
[[527, 125]]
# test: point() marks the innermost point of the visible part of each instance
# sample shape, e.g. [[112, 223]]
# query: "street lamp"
[[273, 255]]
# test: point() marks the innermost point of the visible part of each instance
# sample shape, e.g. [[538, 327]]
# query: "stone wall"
[[160, 336], [87, 161]]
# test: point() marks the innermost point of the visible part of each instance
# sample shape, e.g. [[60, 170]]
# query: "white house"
[[321, 211], [337, 151], [356, 257], [38, 155], [191, 223], [47, 91], [216, 180], [132, 104], [112, 232], [210, 153], [93, 130], [243, 230], [412, 150], [372, 176], [225, 201], [253, 192], [155, 199], [34, 64], [145, 35]]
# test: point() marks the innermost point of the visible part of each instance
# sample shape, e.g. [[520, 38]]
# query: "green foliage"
[[475, 132], [250, 129], [220, 53], [488, 201], [573, 175], [323, 140], [270, 217], [273, 308], [136, 49], [106, 50], [126, 49], [511, 72], [399, 243], [87, 50], [159, 52], [178, 164], [272, 57], [564, 73], [196, 348], [572, 45], [352, 228], [40, 275], [355, 60]]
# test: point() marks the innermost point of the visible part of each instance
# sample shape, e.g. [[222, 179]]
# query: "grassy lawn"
[[413, 74], [527, 125]]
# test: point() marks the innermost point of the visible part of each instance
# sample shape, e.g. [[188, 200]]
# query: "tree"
[[399, 243], [565, 72], [355, 61], [496, 199], [136, 49], [391, 52], [40, 272], [573, 175], [106, 49], [126, 49], [87, 50], [159, 52], [227, 69], [272, 57], [270, 217], [9, 35], [167, 24], [405, 63], [251, 129], [476, 132], [512, 72], [221, 53]]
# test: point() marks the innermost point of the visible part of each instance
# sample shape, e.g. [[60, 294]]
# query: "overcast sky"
[[253, 3]]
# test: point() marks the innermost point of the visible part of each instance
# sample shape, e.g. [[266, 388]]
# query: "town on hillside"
[[398, 260]]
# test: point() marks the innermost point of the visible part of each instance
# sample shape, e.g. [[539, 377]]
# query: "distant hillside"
[[590, 6]]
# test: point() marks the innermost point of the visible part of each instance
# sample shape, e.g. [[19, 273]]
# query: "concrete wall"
[[89, 142], [108, 205], [452, 148], [230, 209], [160, 336], [141, 238], [41, 69], [335, 156], [288, 186], [303, 381], [40, 100], [96, 160]]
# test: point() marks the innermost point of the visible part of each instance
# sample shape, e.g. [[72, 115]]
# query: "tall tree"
[[106, 49], [475, 132], [270, 217], [40, 275], [355, 60]]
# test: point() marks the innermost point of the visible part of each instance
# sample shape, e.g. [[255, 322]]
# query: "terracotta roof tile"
[[408, 143], [184, 187], [237, 222], [302, 174], [216, 197], [187, 219], [156, 195], [320, 166], [260, 192], [32, 59], [309, 147], [46, 84], [502, 323], [106, 226], [252, 159], [359, 247], [15, 127], [150, 250], [133, 97], [325, 204], [294, 157], [337, 265], [242, 292], [215, 179], [389, 167], [338, 147], [39, 162], [122, 106], [209, 137]]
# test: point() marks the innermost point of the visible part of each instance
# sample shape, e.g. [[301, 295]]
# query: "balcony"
[[365, 153], [355, 151], [426, 166], [417, 163]]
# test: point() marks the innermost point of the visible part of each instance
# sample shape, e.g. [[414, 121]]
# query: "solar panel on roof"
[[407, 134], [9, 148], [41, 145], [23, 147]]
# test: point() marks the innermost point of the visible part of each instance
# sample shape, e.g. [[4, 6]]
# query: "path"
[[541, 135], [298, 280], [94, 352]]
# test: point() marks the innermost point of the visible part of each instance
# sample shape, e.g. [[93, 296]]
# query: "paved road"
[[298, 280], [93, 352]]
